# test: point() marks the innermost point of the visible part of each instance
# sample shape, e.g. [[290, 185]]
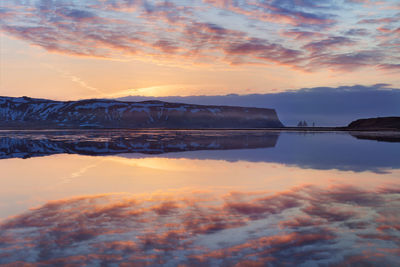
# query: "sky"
[[69, 50]]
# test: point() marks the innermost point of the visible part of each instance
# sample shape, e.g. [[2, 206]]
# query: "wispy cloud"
[[75, 79]]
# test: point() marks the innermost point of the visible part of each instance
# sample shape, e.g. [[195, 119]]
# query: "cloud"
[[357, 32], [302, 35], [346, 61], [290, 12], [378, 21], [75, 79], [312, 224], [262, 49], [169, 31], [330, 43], [78, 14], [390, 66]]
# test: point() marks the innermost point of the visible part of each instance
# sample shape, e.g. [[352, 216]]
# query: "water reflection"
[[215, 199], [33, 144], [393, 137], [336, 226], [337, 150], [26, 183]]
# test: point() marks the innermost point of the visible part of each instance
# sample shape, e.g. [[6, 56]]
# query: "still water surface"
[[196, 198]]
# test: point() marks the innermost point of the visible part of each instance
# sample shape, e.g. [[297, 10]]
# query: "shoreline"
[[280, 129]]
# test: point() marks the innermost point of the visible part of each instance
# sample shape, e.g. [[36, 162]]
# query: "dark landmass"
[[33, 144], [380, 123], [358, 127], [326, 106], [30, 113], [26, 113]]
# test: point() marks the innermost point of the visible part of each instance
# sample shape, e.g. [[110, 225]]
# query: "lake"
[[199, 198]]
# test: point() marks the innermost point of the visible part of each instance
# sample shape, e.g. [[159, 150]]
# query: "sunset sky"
[[107, 48]]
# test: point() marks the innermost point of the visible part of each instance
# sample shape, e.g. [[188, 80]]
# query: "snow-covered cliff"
[[29, 113]]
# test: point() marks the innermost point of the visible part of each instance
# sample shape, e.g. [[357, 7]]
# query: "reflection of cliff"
[[321, 151], [25, 145], [305, 226], [393, 137]]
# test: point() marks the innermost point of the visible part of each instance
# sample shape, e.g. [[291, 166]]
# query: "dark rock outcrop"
[[380, 123], [29, 113]]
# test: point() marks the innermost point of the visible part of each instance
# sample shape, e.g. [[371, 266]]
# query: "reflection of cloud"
[[82, 171], [155, 164], [78, 173], [306, 225]]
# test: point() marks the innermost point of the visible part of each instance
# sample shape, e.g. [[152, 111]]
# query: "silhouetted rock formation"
[[29, 113], [25, 144], [381, 123]]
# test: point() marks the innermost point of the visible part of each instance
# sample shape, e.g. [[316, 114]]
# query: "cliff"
[[380, 123], [29, 113]]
